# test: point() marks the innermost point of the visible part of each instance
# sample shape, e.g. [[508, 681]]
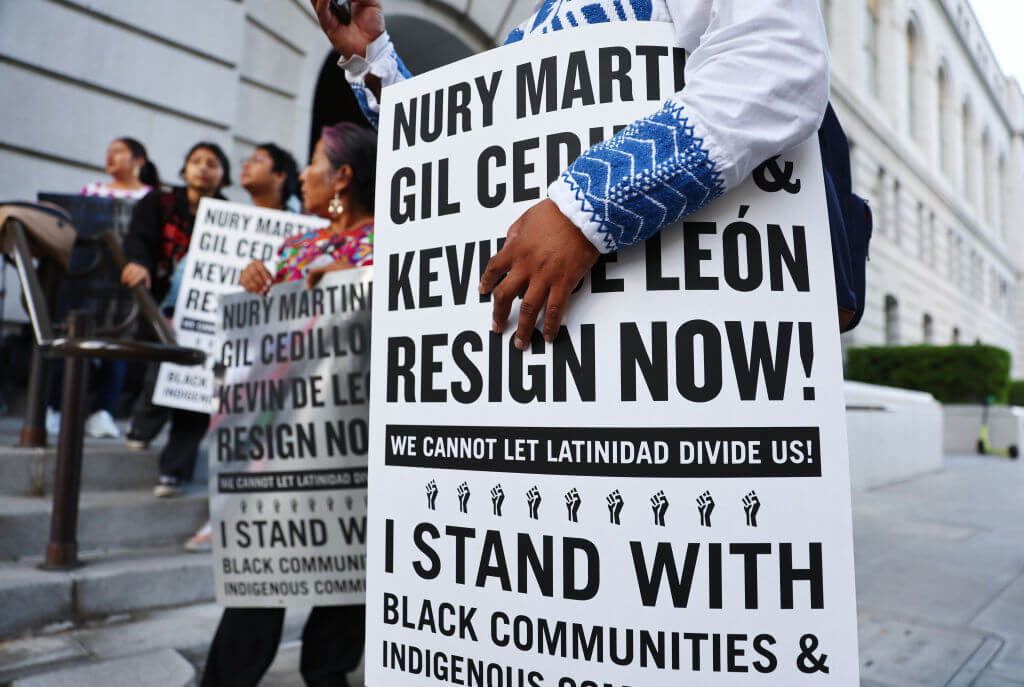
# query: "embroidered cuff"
[[650, 175]]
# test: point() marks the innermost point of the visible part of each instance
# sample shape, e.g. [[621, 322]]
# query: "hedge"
[[952, 374], [1015, 397]]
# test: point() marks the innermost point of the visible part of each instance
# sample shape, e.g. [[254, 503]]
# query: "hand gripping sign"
[[225, 239], [659, 497], [288, 444]]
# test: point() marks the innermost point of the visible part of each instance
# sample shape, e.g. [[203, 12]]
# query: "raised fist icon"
[[533, 502], [659, 504], [705, 504], [432, 495], [572, 504], [615, 504], [463, 492], [497, 498], [751, 505]]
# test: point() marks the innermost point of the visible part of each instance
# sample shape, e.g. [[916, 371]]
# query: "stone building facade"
[[935, 125], [937, 148]]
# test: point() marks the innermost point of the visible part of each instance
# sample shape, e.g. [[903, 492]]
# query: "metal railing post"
[[33, 430], [62, 550]]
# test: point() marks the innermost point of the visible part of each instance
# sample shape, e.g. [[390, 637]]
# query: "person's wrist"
[[358, 66]]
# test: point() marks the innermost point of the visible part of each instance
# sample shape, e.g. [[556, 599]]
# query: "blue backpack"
[[850, 222]]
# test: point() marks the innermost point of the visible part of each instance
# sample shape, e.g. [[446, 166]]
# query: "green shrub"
[[1015, 396], [952, 374]]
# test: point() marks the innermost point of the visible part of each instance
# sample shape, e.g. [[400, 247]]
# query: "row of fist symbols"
[[659, 504]]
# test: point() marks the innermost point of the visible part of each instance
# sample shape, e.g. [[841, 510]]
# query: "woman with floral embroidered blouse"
[[338, 184]]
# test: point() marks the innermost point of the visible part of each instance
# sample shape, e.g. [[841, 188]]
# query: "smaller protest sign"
[[288, 444], [226, 238]]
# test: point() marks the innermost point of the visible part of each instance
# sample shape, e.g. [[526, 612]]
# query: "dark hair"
[[283, 162], [218, 153], [348, 144], [147, 173]]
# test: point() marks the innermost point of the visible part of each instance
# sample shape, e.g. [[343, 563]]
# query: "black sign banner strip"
[[300, 480], [719, 452]]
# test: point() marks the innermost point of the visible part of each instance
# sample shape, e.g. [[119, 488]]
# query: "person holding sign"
[[756, 85], [338, 185], [271, 177], [158, 238], [132, 176], [331, 188]]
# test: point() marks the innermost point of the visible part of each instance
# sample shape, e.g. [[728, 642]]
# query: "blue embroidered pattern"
[[651, 174], [363, 93], [553, 15]]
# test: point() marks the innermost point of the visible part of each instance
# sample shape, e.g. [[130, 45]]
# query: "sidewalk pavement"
[[940, 577], [940, 584]]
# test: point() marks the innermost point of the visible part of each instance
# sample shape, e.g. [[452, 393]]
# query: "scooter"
[[985, 447]]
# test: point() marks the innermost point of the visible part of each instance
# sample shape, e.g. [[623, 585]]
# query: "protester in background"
[[348, 241], [132, 176], [271, 176], [132, 173], [157, 240], [757, 84], [338, 184]]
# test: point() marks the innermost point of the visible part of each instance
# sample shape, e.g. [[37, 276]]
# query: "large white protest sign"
[[288, 444], [661, 496], [225, 239]]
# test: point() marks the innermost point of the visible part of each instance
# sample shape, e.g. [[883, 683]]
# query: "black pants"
[[246, 642], [178, 459]]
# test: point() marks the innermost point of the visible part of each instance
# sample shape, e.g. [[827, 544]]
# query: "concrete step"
[[107, 520], [166, 668], [107, 465], [187, 630], [108, 584]]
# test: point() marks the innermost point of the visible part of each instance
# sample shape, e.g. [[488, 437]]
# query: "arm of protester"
[[756, 86], [367, 54], [141, 242], [315, 274], [256, 278]]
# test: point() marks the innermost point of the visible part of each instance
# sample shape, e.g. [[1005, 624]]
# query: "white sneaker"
[[166, 487], [52, 421], [100, 424]]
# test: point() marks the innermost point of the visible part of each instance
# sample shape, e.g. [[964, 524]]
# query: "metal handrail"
[[77, 347], [165, 350]]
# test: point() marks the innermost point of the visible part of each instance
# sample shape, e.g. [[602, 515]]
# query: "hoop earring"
[[335, 208]]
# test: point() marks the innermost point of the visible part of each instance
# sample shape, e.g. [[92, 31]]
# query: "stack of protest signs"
[[288, 444]]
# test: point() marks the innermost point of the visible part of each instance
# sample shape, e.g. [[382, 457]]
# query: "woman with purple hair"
[[338, 185]]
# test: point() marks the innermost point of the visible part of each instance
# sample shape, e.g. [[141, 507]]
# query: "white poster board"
[[225, 239], [288, 444], [661, 497]]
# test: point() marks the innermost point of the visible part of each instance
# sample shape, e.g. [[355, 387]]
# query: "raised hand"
[[545, 256], [533, 502], [497, 498], [705, 504], [659, 504], [572, 504], [615, 504], [751, 505], [351, 39]]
